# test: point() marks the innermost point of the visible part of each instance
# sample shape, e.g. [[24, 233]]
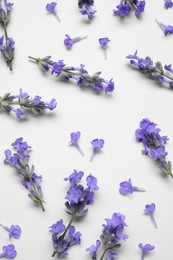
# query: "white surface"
[[114, 118]]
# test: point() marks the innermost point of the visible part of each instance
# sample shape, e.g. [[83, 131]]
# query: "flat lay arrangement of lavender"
[[118, 207]]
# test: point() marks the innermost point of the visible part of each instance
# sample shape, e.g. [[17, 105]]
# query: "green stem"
[[34, 59], [103, 254], [5, 32], [41, 205]]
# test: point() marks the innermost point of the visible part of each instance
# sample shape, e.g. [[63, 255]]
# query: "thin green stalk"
[[103, 254]]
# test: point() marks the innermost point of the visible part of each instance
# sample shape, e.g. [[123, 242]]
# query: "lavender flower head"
[[9, 252], [145, 249], [68, 41], [149, 209], [110, 238], [79, 74], [14, 230], [104, 42], [154, 144], [126, 187], [87, 9], [97, 145], [126, 6], [167, 29], [168, 4], [74, 140], [51, 8]]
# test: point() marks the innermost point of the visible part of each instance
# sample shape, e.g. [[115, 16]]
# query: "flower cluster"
[[20, 161], [87, 9], [154, 144], [78, 198], [168, 3], [146, 65], [9, 252], [126, 187], [110, 238], [126, 6], [25, 104], [6, 43], [68, 41], [167, 29], [79, 74], [51, 8]]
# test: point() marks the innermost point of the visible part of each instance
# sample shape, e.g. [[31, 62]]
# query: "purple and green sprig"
[[20, 161], [22, 104], [79, 74], [154, 144], [110, 238], [126, 6], [78, 199], [86, 8], [157, 71], [6, 43]]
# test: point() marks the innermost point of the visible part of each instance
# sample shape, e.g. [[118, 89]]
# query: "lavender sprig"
[[145, 249], [154, 144], [110, 238], [78, 198], [87, 9], [149, 209], [126, 6], [79, 74], [14, 231], [126, 187], [168, 4], [147, 66], [25, 104], [9, 252], [20, 161]]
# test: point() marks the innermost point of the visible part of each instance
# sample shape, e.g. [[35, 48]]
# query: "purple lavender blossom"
[[51, 8], [74, 140], [109, 240], [85, 2], [14, 231], [140, 8], [88, 10], [97, 145], [126, 6], [167, 29], [168, 3], [7, 50], [126, 187], [104, 42], [68, 41], [149, 209], [9, 252], [145, 249], [123, 9]]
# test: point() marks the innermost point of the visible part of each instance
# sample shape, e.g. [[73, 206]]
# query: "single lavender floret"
[[149, 209], [145, 249], [123, 9], [9, 252], [104, 42], [97, 145], [14, 230], [68, 41], [88, 10], [126, 6], [168, 3], [110, 238], [126, 187], [168, 29], [51, 8], [74, 140]]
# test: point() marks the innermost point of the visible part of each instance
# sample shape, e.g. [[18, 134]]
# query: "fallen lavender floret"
[[68, 41], [110, 238], [146, 65], [87, 9], [79, 74], [154, 144], [22, 104], [74, 140], [168, 29], [126, 6], [20, 161], [104, 42], [51, 8], [97, 144], [14, 231], [168, 3], [78, 198], [9, 252], [126, 187], [149, 209], [145, 249]]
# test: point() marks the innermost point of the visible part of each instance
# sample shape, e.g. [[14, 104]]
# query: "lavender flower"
[[156, 70], [168, 29], [126, 187], [14, 230], [168, 4], [51, 8], [25, 104], [20, 161], [154, 144], [145, 249], [97, 145], [9, 252], [111, 235], [74, 140], [68, 41], [87, 9], [79, 74], [149, 209], [104, 42], [126, 6], [78, 198]]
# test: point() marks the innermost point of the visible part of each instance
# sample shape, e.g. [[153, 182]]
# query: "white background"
[[113, 117]]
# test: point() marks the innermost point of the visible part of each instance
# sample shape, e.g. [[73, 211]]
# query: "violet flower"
[[78, 198], [74, 140], [110, 238], [9, 252], [149, 209], [20, 161], [22, 104], [168, 3], [14, 230], [97, 145], [104, 42], [147, 66], [51, 8], [68, 41], [126, 187], [168, 29], [154, 144], [79, 74], [126, 6], [87, 9], [145, 249]]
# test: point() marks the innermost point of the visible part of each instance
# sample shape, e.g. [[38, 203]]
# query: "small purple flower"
[[50, 7], [74, 177], [97, 145], [126, 6], [126, 187], [168, 3], [104, 42], [52, 104], [9, 252], [57, 228], [14, 230], [168, 29], [88, 10], [140, 8], [93, 249], [74, 140], [68, 41], [57, 67], [145, 249], [123, 9], [74, 194], [149, 209], [92, 182]]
